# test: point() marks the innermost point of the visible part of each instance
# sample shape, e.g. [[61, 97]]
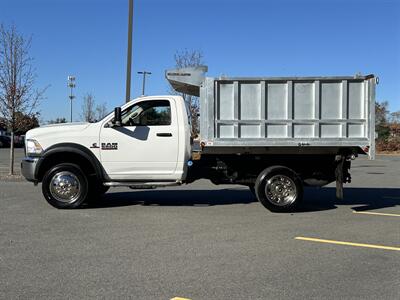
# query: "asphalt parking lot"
[[5, 160], [206, 242]]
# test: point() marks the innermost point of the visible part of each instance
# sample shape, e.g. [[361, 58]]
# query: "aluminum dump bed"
[[283, 111]]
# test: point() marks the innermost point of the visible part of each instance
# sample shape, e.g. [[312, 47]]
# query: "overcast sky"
[[87, 38]]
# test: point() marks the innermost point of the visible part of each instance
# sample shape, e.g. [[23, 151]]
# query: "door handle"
[[164, 134]]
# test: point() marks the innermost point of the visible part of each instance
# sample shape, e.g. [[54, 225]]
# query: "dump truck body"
[[284, 112]]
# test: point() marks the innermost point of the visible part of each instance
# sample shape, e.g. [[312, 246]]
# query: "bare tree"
[[395, 117], [184, 59], [88, 108], [18, 94], [92, 112], [101, 111], [26, 122]]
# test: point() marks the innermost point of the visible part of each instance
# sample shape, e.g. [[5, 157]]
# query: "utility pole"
[[144, 79], [71, 85], [129, 54]]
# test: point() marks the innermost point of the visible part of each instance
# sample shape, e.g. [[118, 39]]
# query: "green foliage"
[[387, 126], [383, 131]]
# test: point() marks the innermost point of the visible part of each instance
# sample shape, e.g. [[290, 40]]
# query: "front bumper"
[[28, 167]]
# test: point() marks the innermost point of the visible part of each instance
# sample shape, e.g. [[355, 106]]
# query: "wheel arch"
[[69, 153]]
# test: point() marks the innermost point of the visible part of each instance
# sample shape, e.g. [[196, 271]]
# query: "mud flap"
[[339, 177], [342, 174]]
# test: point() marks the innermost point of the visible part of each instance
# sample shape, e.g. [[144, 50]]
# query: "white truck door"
[[146, 145]]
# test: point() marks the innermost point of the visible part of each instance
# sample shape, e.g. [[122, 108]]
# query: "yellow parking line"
[[179, 298], [375, 213], [347, 243]]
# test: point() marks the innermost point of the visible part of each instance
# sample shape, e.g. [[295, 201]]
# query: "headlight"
[[33, 148]]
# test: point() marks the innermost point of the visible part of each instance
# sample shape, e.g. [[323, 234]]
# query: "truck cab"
[[145, 144], [152, 142]]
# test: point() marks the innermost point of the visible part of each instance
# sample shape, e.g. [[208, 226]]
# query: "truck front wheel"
[[65, 186], [279, 189]]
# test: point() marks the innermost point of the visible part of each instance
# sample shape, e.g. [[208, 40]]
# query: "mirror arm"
[[117, 117]]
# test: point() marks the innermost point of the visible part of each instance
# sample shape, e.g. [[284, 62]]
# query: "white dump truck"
[[272, 134]]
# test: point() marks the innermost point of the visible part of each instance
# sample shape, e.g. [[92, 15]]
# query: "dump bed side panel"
[[277, 112]]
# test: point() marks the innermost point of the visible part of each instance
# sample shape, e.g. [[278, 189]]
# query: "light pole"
[[144, 79], [129, 53], [71, 85]]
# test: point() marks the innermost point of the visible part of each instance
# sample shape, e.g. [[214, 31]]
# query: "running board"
[[140, 185]]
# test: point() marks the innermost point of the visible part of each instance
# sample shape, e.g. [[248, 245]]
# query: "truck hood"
[[57, 129]]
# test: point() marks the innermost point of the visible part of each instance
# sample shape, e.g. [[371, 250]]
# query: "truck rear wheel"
[[279, 189], [65, 186]]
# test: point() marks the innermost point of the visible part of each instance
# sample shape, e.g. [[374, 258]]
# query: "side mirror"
[[117, 117]]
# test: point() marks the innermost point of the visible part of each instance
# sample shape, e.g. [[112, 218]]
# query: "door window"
[[148, 113]]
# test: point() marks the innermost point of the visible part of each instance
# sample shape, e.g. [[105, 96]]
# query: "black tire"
[[60, 173], [284, 199]]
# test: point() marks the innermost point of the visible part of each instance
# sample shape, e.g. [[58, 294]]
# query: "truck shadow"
[[315, 199], [164, 197], [359, 199]]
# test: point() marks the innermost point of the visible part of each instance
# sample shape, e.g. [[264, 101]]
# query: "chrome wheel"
[[65, 187], [281, 190]]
